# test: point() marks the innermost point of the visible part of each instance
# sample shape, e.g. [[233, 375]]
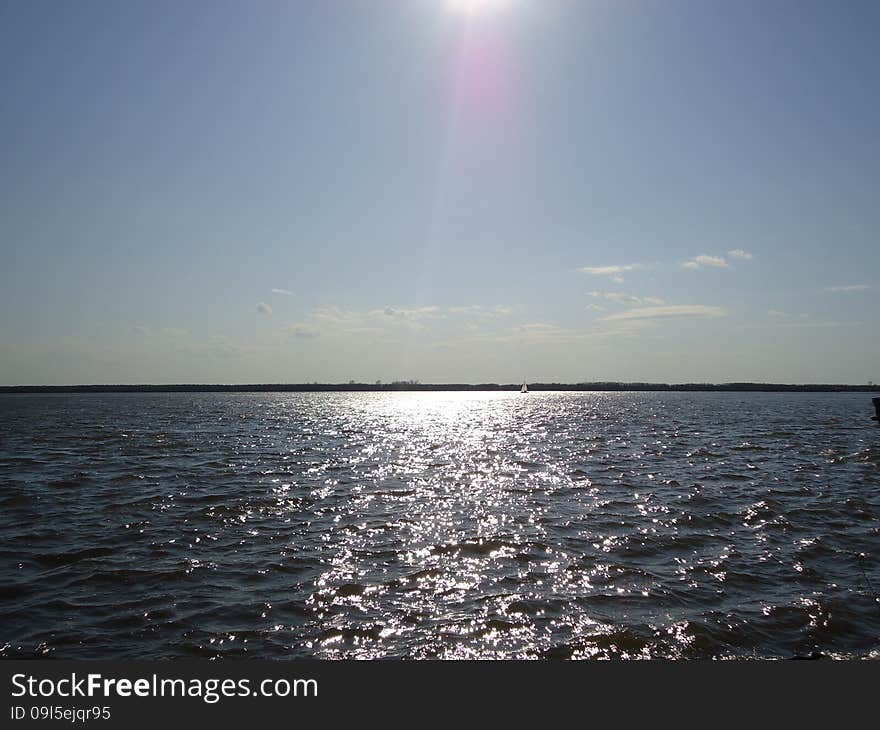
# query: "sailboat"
[[524, 389]]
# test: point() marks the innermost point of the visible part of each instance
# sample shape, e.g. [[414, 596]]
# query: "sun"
[[474, 6]]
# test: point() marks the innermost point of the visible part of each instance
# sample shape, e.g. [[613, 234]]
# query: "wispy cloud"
[[336, 320], [480, 312], [802, 321], [621, 298], [335, 316], [614, 272], [408, 314], [326, 320], [411, 319], [285, 292], [821, 323], [264, 308], [541, 332], [345, 321], [738, 253], [303, 331], [216, 345], [672, 310], [145, 331], [548, 333], [702, 260], [612, 296], [847, 288], [539, 327]]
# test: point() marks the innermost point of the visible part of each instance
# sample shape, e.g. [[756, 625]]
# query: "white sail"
[[524, 389]]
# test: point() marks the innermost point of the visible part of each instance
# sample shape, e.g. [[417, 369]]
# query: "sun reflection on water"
[[456, 525]]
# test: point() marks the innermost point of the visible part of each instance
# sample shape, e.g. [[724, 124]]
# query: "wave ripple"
[[439, 525]]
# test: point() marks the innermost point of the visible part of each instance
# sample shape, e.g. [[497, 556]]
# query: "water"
[[439, 525]]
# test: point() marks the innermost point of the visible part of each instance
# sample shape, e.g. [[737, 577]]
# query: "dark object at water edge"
[[876, 402]]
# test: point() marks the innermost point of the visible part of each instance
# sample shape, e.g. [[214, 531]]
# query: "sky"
[[441, 190]]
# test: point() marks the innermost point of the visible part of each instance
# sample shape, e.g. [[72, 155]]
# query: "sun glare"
[[474, 6]]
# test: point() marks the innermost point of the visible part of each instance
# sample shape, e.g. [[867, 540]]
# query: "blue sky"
[[392, 189]]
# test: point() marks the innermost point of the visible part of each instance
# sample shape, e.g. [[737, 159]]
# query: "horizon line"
[[415, 385]]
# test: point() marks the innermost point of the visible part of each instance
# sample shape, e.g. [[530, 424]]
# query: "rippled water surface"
[[439, 525]]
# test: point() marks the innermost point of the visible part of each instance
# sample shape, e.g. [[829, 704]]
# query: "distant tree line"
[[414, 385]]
